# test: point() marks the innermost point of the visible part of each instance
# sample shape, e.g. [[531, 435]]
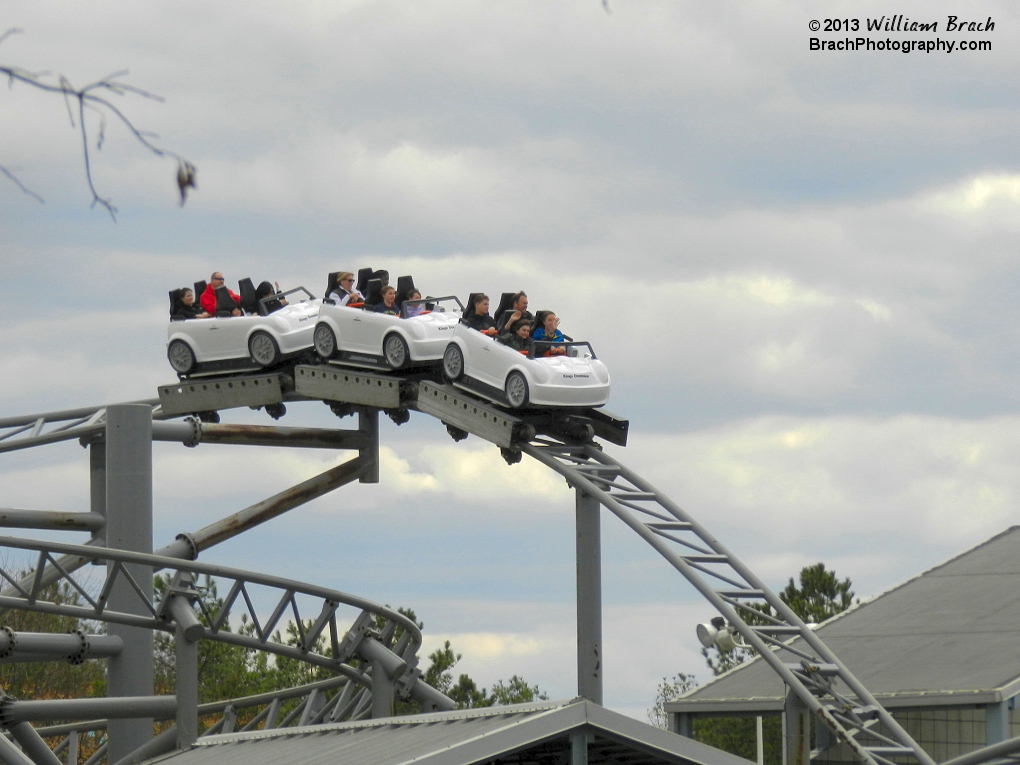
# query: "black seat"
[[364, 274], [200, 290], [374, 295], [506, 300], [225, 304], [249, 298], [175, 301], [405, 286], [266, 307], [331, 285]]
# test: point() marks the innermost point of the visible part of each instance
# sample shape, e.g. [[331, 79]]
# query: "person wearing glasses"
[[344, 293], [208, 298]]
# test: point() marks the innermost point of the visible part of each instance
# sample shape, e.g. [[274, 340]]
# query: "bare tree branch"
[[88, 98], [21, 185]]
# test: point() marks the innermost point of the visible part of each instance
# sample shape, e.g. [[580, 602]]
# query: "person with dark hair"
[[264, 290], [344, 292], [418, 309], [186, 308], [517, 336], [549, 331], [518, 310], [208, 298], [477, 315], [388, 305]]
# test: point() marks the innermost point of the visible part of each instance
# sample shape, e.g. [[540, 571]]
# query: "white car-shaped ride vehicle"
[[364, 338], [570, 375], [243, 343]]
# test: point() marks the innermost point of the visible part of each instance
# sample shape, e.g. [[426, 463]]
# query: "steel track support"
[[97, 486], [129, 527], [796, 731], [589, 597], [368, 426], [33, 744], [11, 755], [188, 629]]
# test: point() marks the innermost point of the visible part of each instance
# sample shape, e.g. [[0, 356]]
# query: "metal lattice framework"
[[817, 681], [824, 685]]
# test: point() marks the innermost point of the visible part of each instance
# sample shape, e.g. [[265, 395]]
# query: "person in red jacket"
[[208, 298]]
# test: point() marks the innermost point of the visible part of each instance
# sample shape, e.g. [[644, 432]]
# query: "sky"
[[799, 267]]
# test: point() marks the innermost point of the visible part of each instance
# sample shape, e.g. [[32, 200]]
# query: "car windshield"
[[541, 349], [449, 304]]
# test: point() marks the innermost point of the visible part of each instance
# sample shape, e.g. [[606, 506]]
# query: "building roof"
[[946, 637], [494, 734]]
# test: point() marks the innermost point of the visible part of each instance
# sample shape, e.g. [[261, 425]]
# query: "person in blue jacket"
[[549, 331]]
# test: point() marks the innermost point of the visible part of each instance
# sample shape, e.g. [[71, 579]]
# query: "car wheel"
[[395, 351], [453, 362], [324, 341], [181, 357], [516, 390], [263, 349]]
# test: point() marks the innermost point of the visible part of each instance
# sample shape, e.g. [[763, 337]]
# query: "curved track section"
[[787, 644], [370, 632]]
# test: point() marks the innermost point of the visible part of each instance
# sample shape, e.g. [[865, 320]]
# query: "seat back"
[[225, 304], [249, 298], [331, 285], [364, 274], [405, 286], [175, 300], [506, 300], [200, 289], [374, 295]]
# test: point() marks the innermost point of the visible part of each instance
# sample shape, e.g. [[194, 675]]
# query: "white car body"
[[223, 344], [576, 378], [359, 337]]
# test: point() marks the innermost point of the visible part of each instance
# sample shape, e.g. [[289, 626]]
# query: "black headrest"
[[200, 289], [505, 301], [223, 300], [175, 299], [248, 295], [540, 318], [364, 274], [382, 275], [405, 286], [374, 294], [331, 285], [469, 306]]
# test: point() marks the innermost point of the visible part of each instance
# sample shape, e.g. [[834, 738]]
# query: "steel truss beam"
[[813, 672], [295, 602]]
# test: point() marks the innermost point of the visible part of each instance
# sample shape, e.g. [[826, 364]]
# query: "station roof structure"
[[509, 734], [947, 637]]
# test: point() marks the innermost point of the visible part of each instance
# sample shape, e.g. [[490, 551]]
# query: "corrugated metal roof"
[[458, 738], [947, 636]]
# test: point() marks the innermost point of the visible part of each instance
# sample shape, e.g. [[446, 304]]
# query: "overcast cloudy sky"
[[799, 266]]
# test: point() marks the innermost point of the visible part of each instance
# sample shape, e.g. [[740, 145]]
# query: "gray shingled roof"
[[948, 636], [495, 734]]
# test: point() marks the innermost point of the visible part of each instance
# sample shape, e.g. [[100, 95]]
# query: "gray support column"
[[589, 598], [796, 731], [383, 692], [129, 527], [97, 484], [997, 722], [186, 678], [823, 736], [368, 425], [579, 748], [72, 748]]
